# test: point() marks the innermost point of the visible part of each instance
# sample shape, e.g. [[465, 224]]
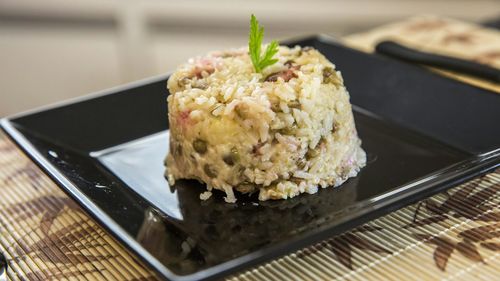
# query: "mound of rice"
[[281, 132]]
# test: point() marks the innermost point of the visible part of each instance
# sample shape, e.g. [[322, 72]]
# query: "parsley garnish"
[[254, 47]]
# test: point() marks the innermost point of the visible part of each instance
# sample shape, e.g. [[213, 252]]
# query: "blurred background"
[[53, 50]]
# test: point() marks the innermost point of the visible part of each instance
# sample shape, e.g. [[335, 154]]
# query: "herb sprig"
[[255, 44]]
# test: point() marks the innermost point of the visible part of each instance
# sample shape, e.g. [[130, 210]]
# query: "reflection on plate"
[[213, 231]]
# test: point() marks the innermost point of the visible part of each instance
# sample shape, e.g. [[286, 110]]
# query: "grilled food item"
[[286, 130]]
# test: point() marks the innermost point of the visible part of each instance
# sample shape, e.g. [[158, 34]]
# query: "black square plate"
[[422, 132]]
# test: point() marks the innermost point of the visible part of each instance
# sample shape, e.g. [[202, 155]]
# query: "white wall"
[[53, 50]]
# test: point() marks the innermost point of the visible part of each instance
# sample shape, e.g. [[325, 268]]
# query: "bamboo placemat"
[[442, 36], [44, 235]]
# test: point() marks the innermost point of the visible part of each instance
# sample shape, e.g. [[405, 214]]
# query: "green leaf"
[[255, 45]]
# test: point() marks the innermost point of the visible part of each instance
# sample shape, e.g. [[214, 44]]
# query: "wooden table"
[[44, 235]]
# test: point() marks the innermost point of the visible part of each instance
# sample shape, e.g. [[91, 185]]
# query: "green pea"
[[330, 76], [311, 153], [287, 131], [246, 187], [200, 146], [209, 171], [183, 81], [301, 163], [294, 104], [232, 157], [239, 112]]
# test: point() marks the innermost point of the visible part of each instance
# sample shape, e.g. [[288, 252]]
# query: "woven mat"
[[442, 36], [44, 235]]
